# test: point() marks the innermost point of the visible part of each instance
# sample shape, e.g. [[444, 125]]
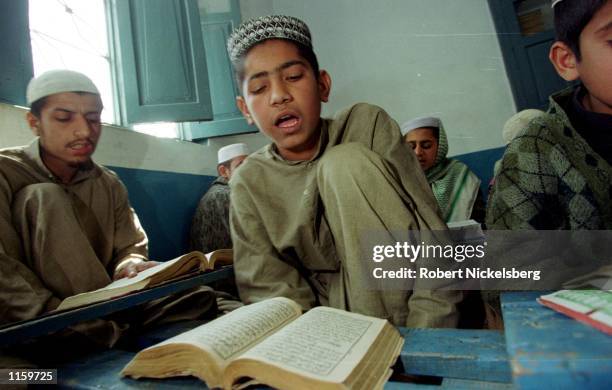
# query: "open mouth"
[[287, 121], [81, 147]]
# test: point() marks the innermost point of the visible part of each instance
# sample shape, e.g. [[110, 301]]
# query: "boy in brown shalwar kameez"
[[66, 225], [300, 205]]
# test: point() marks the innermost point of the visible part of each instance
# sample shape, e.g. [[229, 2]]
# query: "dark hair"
[[304, 51], [570, 19], [37, 106]]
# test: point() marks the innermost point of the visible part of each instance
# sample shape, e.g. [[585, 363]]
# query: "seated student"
[[456, 188], [556, 173], [301, 205], [66, 226], [210, 227]]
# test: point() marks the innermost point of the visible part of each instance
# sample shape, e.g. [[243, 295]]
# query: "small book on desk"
[[182, 266], [272, 343], [592, 307]]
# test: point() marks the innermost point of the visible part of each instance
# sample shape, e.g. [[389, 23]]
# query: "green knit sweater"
[[551, 178]]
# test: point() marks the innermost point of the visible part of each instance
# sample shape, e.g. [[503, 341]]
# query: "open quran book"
[[187, 264], [592, 307], [272, 343]]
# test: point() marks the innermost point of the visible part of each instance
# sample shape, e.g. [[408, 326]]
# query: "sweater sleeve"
[[525, 193]]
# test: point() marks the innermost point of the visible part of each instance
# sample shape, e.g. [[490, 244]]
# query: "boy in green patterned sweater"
[[557, 173]]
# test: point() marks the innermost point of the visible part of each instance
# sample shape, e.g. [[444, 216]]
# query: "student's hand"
[[131, 267]]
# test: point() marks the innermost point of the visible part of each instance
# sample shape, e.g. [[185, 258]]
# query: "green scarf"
[[453, 184]]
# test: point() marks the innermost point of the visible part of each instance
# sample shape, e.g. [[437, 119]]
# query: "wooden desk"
[[17, 332], [549, 350], [475, 359], [539, 349]]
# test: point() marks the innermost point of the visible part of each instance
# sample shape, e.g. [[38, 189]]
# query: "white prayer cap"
[[518, 122], [424, 121], [555, 2], [228, 152], [58, 81]]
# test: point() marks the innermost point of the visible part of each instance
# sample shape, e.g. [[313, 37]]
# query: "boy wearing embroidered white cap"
[[455, 187], [66, 225], [210, 228], [301, 205]]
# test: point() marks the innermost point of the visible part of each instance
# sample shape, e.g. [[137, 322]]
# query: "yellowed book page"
[[232, 334], [117, 287], [142, 275], [217, 257], [101, 295], [324, 344]]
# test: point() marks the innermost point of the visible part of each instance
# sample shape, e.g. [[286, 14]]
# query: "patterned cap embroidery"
[[256, 30]]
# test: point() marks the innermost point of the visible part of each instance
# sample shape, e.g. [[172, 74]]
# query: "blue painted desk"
[[476, 359], [17, 332], [549, 350], [538, 349]]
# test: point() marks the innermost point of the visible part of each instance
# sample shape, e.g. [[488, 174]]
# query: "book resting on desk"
[[181, 266], [592, 307], [272, 343]]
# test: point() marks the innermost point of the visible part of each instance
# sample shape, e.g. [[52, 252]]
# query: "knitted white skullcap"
[[58, 81], [423, 121], [518, 122], [228, 152]]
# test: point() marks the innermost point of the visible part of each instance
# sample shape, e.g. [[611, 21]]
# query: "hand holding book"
[[163, 272]]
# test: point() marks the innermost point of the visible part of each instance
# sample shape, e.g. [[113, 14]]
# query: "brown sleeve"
[[260, 271], [130, 238], [22, 294]]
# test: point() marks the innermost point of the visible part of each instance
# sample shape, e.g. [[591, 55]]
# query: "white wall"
[[128, 149], [413, 58]]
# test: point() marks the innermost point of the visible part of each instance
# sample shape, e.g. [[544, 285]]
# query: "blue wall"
[[481, 163], [165, 203]]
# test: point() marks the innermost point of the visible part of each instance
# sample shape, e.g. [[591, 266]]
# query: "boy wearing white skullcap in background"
[[66, 225], [301, 205], [210, 228]]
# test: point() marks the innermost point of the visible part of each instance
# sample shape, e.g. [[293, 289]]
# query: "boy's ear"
[[324, 85], [564, 60], [222, 170], [33, 122], [242, 106]]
